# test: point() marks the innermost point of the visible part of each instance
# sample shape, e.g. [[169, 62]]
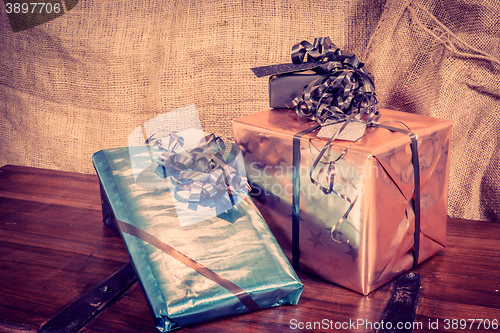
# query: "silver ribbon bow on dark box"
[[209, 175], [324, 84]]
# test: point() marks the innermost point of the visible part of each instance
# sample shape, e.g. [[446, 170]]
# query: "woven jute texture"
[[84, 81], [442, 60]]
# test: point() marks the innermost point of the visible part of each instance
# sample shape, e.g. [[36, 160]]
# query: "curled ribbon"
[[346, 86], [345, 93], [322, 50], [203, 172]]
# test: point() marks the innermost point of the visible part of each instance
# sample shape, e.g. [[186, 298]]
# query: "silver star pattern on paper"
[[315, 238], [244, 147], [316, 205], [352, 252], [279, 157], [263, 138], [333, 264]]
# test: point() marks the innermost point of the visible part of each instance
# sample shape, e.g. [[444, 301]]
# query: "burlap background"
[[84, 81]]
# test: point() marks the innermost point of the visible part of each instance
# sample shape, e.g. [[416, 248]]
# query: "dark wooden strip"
[[90, 305], [400, 311]]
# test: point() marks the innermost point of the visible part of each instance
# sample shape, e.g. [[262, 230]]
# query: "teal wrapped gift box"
[[225, 265]]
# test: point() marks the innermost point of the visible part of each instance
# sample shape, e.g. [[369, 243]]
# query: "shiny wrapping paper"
[[375, 243], [284, 88], [225, 265]]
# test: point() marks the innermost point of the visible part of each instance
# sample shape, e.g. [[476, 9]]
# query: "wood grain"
[[54, 248]]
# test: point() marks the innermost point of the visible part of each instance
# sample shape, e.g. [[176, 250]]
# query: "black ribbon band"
[[306, 56], [296, 194], [416, 181]]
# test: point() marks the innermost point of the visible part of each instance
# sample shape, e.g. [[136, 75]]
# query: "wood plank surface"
[[54, 248]]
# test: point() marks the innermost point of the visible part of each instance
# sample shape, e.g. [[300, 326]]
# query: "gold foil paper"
[[375, 243]]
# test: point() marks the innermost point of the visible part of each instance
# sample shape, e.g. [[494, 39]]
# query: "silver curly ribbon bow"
[[346, 86], [203, 172], [344, 93]]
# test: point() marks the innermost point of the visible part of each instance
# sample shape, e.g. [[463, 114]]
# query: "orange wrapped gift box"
[[362, 234]]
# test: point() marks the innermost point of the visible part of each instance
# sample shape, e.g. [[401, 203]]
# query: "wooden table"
[[54, 248]]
